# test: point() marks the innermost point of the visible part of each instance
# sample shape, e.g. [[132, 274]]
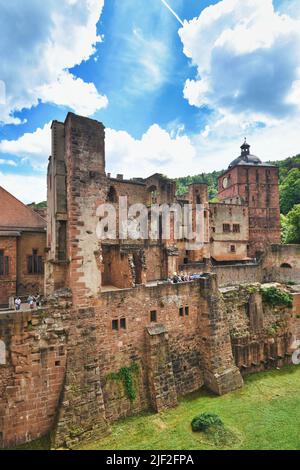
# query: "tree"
[[291, 226], [290, 191]]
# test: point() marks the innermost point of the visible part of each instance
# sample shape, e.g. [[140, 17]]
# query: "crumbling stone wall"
[[8, 282], [32, 378], [261, 335]]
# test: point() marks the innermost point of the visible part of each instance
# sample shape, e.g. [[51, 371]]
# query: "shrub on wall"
[[276, 297]]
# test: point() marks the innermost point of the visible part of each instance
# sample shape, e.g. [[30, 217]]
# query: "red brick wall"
[[30, 283], [8, 283], [259, 188], [31, 381]]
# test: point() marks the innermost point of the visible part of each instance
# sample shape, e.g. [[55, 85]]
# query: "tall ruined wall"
[[261, 335], [32, 378], [60, 361], [30, 283], [8, 282], [282, 263]]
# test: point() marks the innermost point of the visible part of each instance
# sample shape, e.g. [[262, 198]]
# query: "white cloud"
[[7, 162], [35, 146], [74, 93], [25, 188], [39, 42], [156, 151], [247, 57]]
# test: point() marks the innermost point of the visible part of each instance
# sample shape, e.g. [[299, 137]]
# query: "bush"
[[275, 297], [205, 421]]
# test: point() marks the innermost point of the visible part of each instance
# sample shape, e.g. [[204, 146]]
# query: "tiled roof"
[[14, 214]]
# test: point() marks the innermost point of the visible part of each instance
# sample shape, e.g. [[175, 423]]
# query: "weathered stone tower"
[[250, 182]]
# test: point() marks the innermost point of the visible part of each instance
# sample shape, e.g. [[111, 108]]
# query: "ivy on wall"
[[125, 375]]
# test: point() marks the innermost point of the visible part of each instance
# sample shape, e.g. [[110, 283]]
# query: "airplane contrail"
[[173, 12]]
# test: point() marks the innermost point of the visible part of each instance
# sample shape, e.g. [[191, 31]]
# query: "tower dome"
[[246, 158]]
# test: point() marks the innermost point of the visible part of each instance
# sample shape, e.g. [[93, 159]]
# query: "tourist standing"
[[18, 303]]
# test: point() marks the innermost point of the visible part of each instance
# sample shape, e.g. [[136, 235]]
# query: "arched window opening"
[[286, 266], [152, 195]]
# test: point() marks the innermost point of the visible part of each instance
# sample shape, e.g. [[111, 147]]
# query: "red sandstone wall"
[[119, 348], [8, 283], [31, 381], [30, 283]]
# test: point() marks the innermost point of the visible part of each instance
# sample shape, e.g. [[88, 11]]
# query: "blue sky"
[[174, 99]]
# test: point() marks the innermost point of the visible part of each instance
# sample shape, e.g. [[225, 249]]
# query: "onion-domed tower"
[[251, 182]]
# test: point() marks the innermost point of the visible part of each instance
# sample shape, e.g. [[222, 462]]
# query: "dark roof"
[[246, 158]]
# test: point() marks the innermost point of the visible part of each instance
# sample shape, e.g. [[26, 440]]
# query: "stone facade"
[[109, 312], [22, 235]]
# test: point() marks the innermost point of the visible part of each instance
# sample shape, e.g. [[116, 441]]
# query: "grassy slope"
[[265, 415]]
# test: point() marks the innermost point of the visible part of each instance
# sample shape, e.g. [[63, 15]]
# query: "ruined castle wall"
[[238, 274], [8, 282], [282, 263], [135, 193], [119, 348], [261, 335], [154, 262], [32, 378], [30, 283]]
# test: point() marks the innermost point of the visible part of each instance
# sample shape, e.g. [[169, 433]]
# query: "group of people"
[[32, 301], [183, 277]]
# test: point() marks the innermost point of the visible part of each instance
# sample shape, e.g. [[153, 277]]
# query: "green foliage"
[[204, 421], [211, 179], [276, 297], [125, 374], [290, 225], [290, 191]]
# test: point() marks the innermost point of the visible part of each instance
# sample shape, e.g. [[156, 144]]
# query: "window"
[[232, 249], [4, 264], [236, 228], [123, 323], [187, 311], [115, 325], [286, 266], [226, 228], [35, 263], [112, 195], [153, 316], [181, 312]]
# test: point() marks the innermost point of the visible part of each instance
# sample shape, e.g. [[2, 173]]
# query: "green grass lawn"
[[263, 415]]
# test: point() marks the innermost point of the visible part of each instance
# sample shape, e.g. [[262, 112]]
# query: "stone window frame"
[[236, 228], [153, 316], [226, 228], [119, 324], [35, 263], [232, 249], [4, 264]]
